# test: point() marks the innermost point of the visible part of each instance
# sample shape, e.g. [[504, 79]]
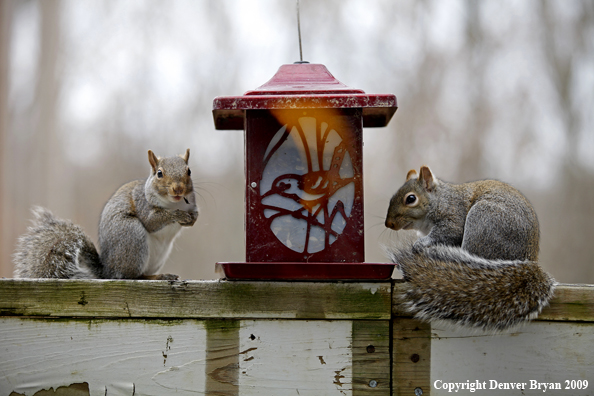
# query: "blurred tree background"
[[498, 89]]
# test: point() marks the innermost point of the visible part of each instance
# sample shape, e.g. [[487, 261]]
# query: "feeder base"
[[305, 271]]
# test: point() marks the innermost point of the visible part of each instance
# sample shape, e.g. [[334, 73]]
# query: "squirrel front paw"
[[190, 219], [185, 219]]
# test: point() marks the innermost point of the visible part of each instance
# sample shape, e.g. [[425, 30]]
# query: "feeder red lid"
[[303, 78], [303, 85]]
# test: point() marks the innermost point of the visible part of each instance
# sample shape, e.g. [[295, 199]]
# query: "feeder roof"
[[303, 85]]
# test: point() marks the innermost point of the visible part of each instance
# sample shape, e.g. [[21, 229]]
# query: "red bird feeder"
[[304, 174]]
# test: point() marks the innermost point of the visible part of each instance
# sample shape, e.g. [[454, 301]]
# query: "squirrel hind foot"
[[170, 277]]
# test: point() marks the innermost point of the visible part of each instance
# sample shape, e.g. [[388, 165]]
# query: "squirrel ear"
[[153, 160], [412, 174], [427, 178], [186, 156]]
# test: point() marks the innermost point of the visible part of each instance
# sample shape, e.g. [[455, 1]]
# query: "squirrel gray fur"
[[137, 229], [476, 264]]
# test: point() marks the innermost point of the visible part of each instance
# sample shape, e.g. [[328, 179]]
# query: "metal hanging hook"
[[299, 36]]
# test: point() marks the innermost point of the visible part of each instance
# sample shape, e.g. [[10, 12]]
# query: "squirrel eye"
[[160, 174], [189, 172], [411, 200]]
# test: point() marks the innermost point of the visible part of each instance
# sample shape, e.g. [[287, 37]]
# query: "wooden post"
[[371, 357], [411, 350], [222, 357], [411, 354]]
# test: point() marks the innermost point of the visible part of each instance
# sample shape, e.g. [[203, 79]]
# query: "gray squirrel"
[[136, 231], [477, 263]]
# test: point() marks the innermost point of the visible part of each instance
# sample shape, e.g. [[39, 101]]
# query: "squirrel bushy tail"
[[55, 248], [449, 283]]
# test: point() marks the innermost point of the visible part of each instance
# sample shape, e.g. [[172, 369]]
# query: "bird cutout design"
[[307, 188]]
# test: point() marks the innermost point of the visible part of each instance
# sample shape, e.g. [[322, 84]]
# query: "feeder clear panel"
[[307, 185]]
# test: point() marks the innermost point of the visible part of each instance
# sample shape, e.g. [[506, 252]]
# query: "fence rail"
[[241, 338]]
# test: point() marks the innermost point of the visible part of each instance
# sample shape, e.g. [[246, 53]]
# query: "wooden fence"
[[104, 337]]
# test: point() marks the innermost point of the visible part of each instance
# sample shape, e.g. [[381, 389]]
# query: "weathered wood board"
[[539, 356], [195, 299], [277, 338], [556, 347], [216, 337], [223, 357], [113, 357]]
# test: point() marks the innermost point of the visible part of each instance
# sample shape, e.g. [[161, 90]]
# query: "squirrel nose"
[[178, 190]]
